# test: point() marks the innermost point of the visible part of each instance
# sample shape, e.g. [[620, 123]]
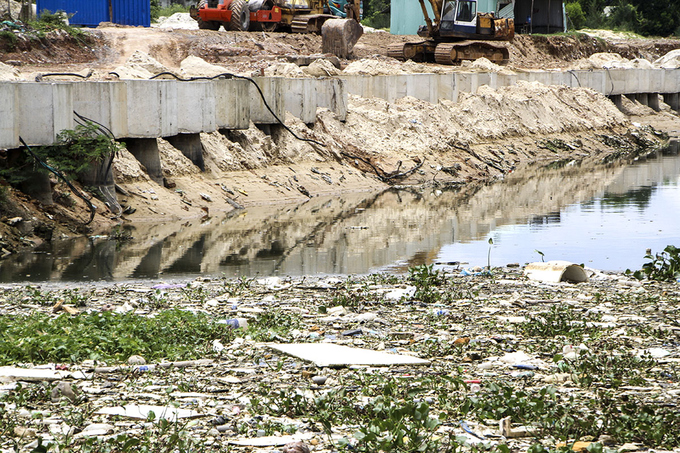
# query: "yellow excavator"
[[460, 31]]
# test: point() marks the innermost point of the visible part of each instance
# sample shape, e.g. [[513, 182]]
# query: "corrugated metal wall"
[[84, 12], [91, 12], [406, 16], [131, 12]]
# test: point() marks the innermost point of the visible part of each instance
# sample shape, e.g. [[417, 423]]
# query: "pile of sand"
[[284, 70], [413, 127], [485, 65], [8, 73], [605, 60], [140, 65], [182, 21], [374, 67], [127, 169], [173, 162], [321, 68], [669, 61], [197, 67]]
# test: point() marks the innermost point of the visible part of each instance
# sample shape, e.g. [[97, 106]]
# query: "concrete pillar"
[[653, 101], [33, 179], [672, 99], [99, 174], [146, 152], [37, 185], [642, 98], [632, 97], [191, 147], [616, 99]]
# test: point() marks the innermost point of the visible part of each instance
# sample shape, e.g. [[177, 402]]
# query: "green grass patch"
[[157, 11], [171, 335]]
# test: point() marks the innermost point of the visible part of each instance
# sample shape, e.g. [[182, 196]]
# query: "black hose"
[[259, 90], [40, 77], [103, 130], [59, 174]]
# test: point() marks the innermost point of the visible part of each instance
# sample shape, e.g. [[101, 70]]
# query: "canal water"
[[604, 217]]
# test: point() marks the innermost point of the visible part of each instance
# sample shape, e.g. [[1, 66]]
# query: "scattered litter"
[[333, 355], [555, 272], [143, 412]]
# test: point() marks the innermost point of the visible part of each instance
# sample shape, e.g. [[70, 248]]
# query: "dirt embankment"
[[484, 136]]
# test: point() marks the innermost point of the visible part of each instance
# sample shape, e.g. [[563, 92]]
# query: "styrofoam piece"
[[334, 355], [555, 272], [270, 441], [142, 412], [8, 373]]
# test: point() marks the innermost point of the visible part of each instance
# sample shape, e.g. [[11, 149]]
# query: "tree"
[[658, 17]]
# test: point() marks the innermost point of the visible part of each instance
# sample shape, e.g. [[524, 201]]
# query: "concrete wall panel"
[[170, 109], [274, 96], [9, 131], [232, 103], [104, 102], [43, 110], [195, 107], [300, 97]]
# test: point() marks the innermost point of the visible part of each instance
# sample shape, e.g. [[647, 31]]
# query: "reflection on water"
[[604, 217]]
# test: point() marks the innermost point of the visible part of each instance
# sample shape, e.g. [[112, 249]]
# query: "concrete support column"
[[653, 101], [35, 180], [632, 97], [642, 98], [191, 147], [616, 99], [37, 185], [146, 152], [99, 174], [672, 99]]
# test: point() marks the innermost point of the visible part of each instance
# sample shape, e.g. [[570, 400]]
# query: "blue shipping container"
[[131, 12], [88, 13]]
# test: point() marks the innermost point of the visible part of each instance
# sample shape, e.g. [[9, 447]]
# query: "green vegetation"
[[663, 267], [9, 40], [426, 280], [171, 335], [49, 21], [646, 17], [74, 153], [157, 11], [559, 320]]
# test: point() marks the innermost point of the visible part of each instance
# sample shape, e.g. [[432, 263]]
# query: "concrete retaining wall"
[[158, 108], [433, 87], [164, 108]]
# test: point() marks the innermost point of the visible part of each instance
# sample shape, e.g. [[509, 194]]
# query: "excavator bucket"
[[338, 36]]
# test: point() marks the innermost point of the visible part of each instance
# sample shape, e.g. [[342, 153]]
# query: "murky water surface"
[[603, 217]]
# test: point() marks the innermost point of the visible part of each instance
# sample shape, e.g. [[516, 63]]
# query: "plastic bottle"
[[235, 323]]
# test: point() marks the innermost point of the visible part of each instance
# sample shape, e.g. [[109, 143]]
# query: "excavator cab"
[[460, 16]]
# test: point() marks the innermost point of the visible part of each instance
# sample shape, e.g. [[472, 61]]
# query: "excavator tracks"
[[416, 51], [448, 53], [454, 52]]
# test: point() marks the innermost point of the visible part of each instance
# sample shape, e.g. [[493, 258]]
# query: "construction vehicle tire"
[[240, 15], [206, 25]]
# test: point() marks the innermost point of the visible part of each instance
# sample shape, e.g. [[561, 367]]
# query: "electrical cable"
[[259, 90], [82, 120], [59, 174], [571, 71], [40, 77], [611, 80]]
